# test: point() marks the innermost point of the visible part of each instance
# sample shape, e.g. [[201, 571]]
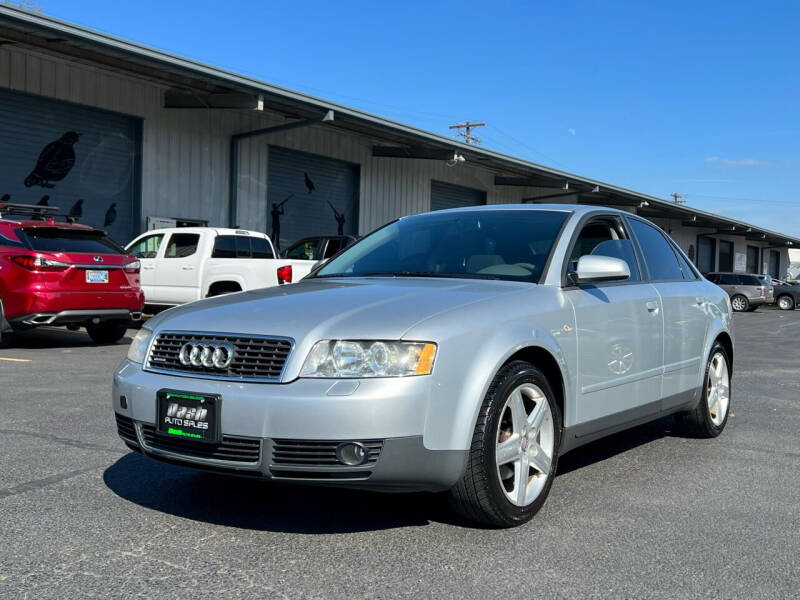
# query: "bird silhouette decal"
[[76, 212], [111, 215], [5, 198], [55, 161], [309, 184]]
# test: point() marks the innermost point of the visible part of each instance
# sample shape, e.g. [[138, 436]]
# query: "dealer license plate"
[[188, 416], [96, 276]]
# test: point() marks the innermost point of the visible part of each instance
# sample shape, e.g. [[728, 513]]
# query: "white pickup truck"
[[189, 263]]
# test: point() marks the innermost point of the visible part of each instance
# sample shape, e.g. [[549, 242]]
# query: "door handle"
[[700, 301], [187, 268], [652, 306]]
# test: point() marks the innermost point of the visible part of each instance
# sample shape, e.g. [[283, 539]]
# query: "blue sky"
[[699, 98]]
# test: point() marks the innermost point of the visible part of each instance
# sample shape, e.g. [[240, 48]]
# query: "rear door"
[[177, 270], [685, 309], [95, 262], [146, 250]]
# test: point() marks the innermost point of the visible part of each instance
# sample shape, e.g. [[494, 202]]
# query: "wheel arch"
[[724, 338], [226, 284], [541, 358]]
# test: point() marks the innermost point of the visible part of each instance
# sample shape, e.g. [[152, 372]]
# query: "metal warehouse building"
[[128, 138]]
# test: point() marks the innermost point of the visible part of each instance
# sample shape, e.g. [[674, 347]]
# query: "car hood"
[[377, 308]]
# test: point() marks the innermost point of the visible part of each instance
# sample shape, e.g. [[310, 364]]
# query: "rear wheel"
[[107, 332], [786, 303], [740, 303], [5, 336], [710, 416], [514, 451]]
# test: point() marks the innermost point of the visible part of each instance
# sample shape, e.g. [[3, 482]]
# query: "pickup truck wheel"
[[514, 452], [739, 303], [221, 288], [710, 416], [786, 302], [108, 332]]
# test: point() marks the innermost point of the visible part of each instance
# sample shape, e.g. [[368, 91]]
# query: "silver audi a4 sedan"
[[463, 351]]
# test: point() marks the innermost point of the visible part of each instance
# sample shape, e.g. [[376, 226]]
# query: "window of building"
[[752, 260], [706, 254], [725, 255]]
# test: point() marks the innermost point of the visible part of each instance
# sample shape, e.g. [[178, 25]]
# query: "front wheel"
[[514, 451], [710, 416], [108, 332]]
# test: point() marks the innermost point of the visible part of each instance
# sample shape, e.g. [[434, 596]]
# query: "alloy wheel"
[[739, 303], [718, 389], [784, 303], [525, 444]]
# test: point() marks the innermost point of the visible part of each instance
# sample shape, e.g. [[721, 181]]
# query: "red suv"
[[63, 273]]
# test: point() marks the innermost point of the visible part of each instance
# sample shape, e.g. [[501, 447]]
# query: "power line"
[[467, 128]]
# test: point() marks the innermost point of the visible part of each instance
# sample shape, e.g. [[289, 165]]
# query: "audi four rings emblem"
[[206, 354]]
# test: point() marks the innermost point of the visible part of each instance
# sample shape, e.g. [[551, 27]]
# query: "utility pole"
[[467, 133], [678, 198]]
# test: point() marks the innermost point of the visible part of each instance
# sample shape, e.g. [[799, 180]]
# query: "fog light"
[[352, 454], [123, 402]]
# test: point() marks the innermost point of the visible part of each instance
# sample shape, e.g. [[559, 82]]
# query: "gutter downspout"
[[233, 168]]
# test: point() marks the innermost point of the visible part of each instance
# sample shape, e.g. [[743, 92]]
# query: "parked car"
[[461, 350], [184, 264], [318, 247], [58, 273], [747, 291], [787, 295]]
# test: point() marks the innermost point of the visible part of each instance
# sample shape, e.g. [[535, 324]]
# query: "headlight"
[[138, 349], [343, 358]]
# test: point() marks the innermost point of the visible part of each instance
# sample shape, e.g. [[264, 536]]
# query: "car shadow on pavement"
[[267, 506], [613, 445], [270, 506]]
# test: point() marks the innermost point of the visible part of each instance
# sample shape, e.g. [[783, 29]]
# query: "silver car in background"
[[747, 291], [462, 351]]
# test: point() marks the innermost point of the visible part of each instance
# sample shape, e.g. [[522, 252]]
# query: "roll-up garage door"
[[310, 195], [447, 195], [81, 159]]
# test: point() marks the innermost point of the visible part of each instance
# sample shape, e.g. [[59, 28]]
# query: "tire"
[[740, 303], [785, 302], [705, 421], [108, 332], [489, 494], [5, 336]]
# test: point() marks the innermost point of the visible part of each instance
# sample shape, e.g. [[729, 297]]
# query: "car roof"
[[49, 224], [577, 209], [218, 230]]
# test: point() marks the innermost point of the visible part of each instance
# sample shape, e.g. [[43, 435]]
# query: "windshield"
[[502, 244], [70, 240]]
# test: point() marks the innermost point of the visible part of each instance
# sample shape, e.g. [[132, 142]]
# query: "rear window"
[[240, 246], [750, 280], [70, 240]]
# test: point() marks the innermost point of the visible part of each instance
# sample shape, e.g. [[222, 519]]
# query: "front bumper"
[[388, 415]]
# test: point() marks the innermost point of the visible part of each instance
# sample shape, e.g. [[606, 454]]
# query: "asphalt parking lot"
[[641, 514]]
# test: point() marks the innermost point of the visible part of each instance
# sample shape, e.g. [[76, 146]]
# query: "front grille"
[[232, 448], [313, 453], [126, 429], [254, 358]]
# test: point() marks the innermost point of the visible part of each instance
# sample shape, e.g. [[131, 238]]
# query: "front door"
[[146, 250], [619, 334]]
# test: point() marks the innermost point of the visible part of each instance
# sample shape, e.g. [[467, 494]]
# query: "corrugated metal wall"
[[185, 152]]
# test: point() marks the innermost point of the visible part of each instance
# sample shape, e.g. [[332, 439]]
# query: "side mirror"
[[601, 268]]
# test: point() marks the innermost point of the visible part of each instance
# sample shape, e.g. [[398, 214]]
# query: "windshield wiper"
[[413, 274]]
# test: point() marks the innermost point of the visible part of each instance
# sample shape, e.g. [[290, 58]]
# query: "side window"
[[224, 247], [261, 248], [304, 250], [182, 245], [713, 277], [686, 268], [604, 238], [727, 279], [334, 246], [147, 247], [658, 253]]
